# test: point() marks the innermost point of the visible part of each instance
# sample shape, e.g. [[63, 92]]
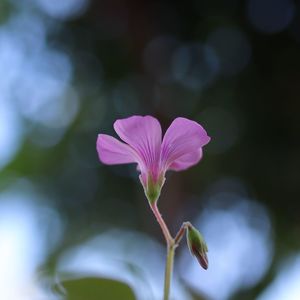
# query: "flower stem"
[[162, 224], [169, 270], [170, 249], [171, 246]]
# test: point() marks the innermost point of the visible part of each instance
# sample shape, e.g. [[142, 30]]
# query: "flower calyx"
[[152, 188]]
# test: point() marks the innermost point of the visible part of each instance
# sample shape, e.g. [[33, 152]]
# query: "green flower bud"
[[197, 245]]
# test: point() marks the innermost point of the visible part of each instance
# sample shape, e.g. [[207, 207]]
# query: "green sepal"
[[153, 189]]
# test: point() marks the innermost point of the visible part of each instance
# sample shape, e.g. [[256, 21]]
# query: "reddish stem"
[[162, 224]]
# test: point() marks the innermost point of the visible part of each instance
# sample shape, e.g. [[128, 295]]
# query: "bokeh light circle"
[[270, 16]]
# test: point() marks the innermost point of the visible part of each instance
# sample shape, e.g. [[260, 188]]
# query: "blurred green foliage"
[[96, 289]]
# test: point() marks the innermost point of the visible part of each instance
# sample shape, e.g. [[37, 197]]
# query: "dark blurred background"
[[70, 68]]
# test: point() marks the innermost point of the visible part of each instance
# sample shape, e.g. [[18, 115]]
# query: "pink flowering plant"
[[179, 149]]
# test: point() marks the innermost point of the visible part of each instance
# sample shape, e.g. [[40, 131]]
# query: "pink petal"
[[182, 143], [143, 134], [186, 161], [112, 152]]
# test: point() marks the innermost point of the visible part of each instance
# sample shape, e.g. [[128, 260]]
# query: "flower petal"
[[182, 143], [143, 134], [112, 152], [186, 161]]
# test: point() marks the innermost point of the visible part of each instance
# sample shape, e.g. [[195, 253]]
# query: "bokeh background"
[[70, 68]]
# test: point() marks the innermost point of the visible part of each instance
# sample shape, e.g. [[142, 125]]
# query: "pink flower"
[[180, 148]]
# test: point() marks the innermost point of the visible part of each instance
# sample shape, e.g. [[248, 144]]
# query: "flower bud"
[[197, 245]]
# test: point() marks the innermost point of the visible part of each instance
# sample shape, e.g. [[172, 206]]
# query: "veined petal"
[[113, 152], [187, 160], [182, 143], [143, 134]]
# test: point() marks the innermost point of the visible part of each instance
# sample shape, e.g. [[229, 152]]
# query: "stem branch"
[[181, 232]]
